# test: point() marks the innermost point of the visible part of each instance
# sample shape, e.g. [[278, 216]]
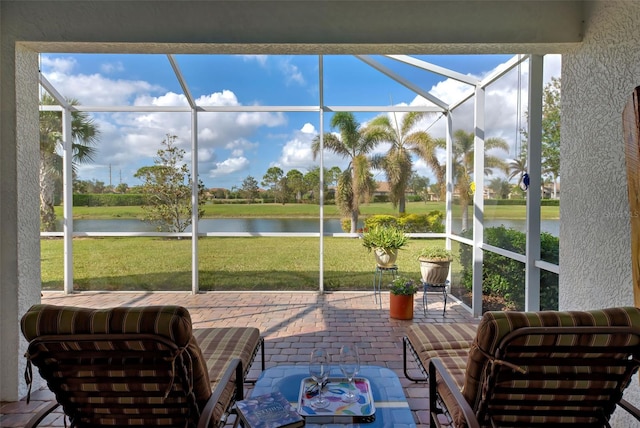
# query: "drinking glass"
[[319, 368], [350, 366]]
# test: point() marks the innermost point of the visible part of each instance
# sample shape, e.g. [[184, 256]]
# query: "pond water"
[[263, 225]]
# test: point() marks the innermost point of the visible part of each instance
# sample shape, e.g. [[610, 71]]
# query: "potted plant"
[[385, 241], [401, 298], [434, 264]]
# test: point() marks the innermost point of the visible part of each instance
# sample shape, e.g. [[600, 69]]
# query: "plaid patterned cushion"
[[133, 382], [449, 342], [221, 345], [435, 337], [494, 326], [172, 322]]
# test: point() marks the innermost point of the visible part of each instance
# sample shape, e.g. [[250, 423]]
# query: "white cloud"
[[291, 72], [255, 119], [57, 65], [308, 128], [229, 166], [296, 154], [260, 59], [112, 67]]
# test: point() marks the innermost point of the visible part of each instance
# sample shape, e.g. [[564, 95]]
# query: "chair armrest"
[[38, 417], [630, 408], [234, 366], [436, 366]]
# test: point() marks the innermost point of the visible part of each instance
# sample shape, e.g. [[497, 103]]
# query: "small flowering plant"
[[403, 286]]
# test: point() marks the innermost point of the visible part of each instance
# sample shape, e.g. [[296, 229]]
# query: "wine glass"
[[350, 366], [319, 368]]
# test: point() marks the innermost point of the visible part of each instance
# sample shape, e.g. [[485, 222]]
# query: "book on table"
[[268, 411]]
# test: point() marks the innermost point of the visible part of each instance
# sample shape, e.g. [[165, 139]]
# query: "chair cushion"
[[221, 345], [172, 322], [494, 326], [449, 342]]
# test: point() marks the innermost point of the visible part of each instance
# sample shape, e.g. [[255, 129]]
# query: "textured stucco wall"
[[595, 245], [19, 216]]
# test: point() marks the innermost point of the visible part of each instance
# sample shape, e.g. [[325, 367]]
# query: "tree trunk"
[[354, 221], [47, 186], [464, 205]]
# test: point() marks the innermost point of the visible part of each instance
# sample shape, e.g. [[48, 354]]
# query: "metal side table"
[[377, 280], [426, 287]]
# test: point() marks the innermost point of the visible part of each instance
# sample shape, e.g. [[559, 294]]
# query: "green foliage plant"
[[403, 286], [409, 223], [417, 223], [381, 220], [384, 238], [503, 277], [435, 254]]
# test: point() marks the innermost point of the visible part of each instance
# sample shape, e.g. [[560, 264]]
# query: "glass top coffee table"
[[391, 407]]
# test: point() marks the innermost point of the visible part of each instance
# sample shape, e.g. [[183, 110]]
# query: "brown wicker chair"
[[539, 369], [137, 366]]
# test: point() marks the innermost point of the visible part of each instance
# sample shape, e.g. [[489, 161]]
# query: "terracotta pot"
[[386, 259], [434, 272], [401, 306]]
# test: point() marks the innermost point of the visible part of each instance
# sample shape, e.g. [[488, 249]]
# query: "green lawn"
[[252, 263], [256, 263], [512, 212]]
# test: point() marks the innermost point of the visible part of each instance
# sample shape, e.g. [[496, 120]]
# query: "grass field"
[[256, 263], [253, 263], [511, 212]]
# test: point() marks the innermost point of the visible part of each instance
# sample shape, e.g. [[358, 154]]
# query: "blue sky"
[[233, 146]]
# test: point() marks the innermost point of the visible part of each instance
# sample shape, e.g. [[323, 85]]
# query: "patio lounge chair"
[[137, 366], [535, 369]]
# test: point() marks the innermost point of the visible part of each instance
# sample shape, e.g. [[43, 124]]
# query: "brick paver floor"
[[292, 323]]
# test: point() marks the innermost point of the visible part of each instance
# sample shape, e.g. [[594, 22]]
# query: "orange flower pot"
[[401, 306]]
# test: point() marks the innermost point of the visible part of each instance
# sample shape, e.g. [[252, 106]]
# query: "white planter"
[[385, 259], [434, 272]]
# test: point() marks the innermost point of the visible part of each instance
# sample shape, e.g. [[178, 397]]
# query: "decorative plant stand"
[[434, 287], [377, 281]]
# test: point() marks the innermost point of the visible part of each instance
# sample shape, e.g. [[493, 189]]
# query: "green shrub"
[[504, 277], [380, 220], [108, 200], [409, 223]]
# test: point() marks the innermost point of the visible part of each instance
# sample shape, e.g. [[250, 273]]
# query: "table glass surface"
[[392, 409]]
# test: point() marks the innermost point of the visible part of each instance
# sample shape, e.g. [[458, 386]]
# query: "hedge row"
[[410, 223], [504, 277], [543, 202], [108, 200]]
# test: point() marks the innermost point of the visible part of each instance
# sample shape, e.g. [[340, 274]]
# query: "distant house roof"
[[382, 187]]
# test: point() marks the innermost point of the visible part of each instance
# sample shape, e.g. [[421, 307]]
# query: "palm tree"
[[501, 187], [517, 167], [84, 133], [463, 157], [355, 183], [397, 163]]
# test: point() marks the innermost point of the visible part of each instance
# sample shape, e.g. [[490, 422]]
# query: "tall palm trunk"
[[47, 187], [355, 204]]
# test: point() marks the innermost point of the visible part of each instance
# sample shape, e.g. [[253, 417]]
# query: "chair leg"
[[35, 420], [407, 344], [262, 363]]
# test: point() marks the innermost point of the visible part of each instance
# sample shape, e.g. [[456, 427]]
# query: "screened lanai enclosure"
[[240, 131]]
